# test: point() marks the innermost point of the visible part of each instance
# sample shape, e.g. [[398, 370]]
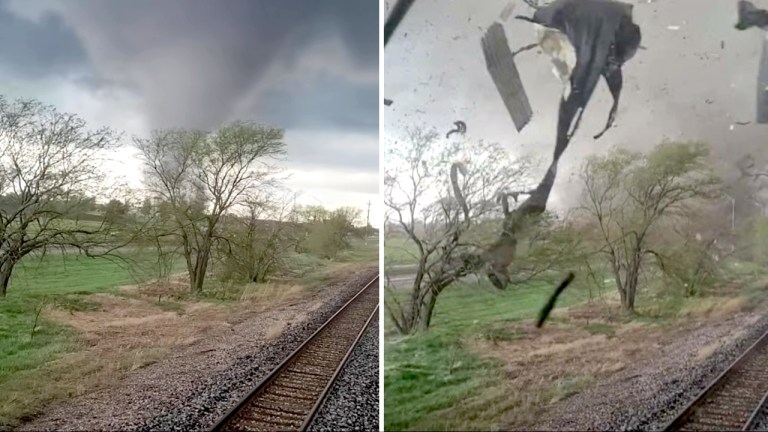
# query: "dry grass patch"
[[515, 397], [585, 343], [715, 307], [709, 349], [139, 326], [547, 365], [123, 324], [72, 375], [175, 286], [272, 292]]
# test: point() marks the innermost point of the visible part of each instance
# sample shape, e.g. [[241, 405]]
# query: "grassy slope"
[[64, 280], [318, 272], [67, 280], [432, 381]]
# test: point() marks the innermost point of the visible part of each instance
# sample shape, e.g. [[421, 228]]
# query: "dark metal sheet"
[[501, 65]]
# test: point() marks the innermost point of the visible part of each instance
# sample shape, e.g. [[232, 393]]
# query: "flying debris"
[[507, 11], [545, 311], [500, 62], [603, 37], [461, 128], [749, 16], [387, 102], [395, 17]]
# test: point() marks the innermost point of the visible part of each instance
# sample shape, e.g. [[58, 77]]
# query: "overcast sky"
[[310, 67], [697, 78]]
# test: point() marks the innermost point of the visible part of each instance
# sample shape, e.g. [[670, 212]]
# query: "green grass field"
[[399, 250], [362, 250], [432, 382]]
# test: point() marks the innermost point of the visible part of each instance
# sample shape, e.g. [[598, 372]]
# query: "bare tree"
[[628, 194], [446, 232], [261, 241], [49, 162], [202, 176]]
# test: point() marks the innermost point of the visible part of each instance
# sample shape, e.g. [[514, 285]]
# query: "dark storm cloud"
[[194, 61], [312, 150], [38, 48], [319, 106]]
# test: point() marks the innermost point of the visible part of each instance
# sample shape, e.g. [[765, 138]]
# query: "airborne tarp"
[[604, 37]]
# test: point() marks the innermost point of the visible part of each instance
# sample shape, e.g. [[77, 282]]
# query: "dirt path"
[[209, 343]]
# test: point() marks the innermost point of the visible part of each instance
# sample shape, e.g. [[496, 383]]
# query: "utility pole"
[[368, 216]]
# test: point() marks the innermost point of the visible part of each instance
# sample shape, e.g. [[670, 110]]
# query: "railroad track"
[[732, 401], [289, 397]]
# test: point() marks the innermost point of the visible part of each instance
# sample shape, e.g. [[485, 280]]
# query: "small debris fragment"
[[673, 27], [545, 311], [751, 16], [387, 102], [507, 11], [461, 128]]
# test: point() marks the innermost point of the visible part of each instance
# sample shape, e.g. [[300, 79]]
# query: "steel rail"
[[708, 397], [278, 371]]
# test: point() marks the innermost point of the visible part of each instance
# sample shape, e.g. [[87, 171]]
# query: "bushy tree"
[[200, 176], [628, 195]]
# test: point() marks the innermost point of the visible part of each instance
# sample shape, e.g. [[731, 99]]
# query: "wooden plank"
[[507, 11], [762, 85], [501, 65]]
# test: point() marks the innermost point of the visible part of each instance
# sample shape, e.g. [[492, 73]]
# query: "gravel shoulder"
[[192, 388], [648, 393], [353, 401]]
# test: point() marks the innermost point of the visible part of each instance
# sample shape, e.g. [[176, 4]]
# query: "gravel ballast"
[[353, 401], [649, 396], [761, 421], [192, 388]]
